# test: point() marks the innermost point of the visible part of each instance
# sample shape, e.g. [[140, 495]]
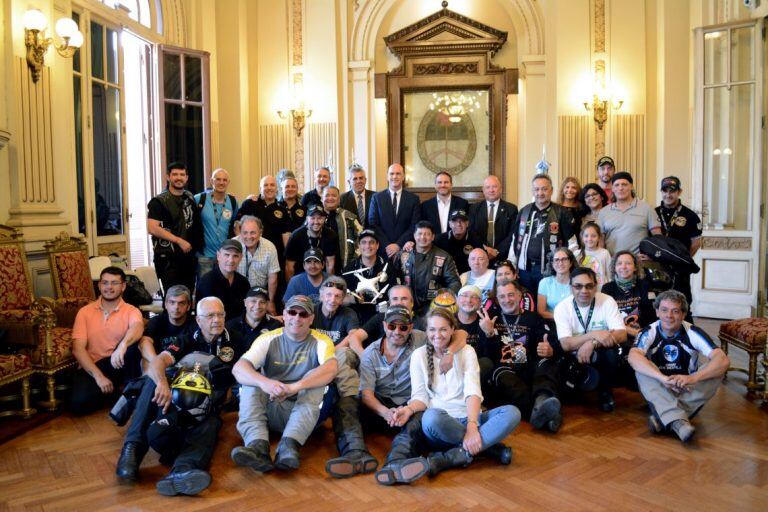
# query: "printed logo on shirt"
[[467, 249], [554, 228], [671, 353], [680, 221], [226, 354], [299, 212], [227, 214], [278, 214]]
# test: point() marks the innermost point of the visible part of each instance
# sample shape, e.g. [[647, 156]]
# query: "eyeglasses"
[[338, 286], [560, 260], [592, 195], [588, 286], [295, 312], [212, 315], [398, 327]]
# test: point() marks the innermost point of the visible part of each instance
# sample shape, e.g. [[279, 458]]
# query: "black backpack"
[[670, 252], [135, 293]]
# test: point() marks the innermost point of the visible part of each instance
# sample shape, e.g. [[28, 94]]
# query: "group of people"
[[441, 322]]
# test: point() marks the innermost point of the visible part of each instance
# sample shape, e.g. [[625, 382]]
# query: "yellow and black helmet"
[[191, 391], [445, 299]]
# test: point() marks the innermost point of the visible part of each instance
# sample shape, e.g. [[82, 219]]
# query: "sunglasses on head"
[[338, 286], [398, 327], [301, 313]]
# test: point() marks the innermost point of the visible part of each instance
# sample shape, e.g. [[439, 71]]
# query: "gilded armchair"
[[70, 275]]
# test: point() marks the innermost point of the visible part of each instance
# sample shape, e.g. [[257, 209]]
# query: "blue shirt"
[[553, 291], [300, 285], [216, 218]]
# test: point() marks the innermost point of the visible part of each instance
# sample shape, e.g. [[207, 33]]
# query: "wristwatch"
[[595, 343]]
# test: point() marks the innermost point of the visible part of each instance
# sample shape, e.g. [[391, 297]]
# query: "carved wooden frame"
[[445, 51]]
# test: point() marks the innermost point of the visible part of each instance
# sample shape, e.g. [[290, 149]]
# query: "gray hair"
[[542, 176], [203, 304], [178, 290], [332, 187], [672, 296], [356, 168], [251, 218], [399, 287]]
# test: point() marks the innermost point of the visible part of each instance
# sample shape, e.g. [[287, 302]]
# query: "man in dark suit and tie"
[[495, 213], [394, 212], [358, 199], [437, 209]]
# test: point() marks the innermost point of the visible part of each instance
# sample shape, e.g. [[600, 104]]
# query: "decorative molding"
[[573, 143], [727, 243], [599, 26], [445, 68], [297, 33], [416, 28]]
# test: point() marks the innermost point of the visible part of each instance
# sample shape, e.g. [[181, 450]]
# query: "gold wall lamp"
[[600, 105], [298, 114], [37, 44]]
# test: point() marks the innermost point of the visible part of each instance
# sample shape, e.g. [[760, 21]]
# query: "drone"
[[367, 291]]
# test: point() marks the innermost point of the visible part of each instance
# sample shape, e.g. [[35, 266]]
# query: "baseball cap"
[[623, 175], [398, 314], [231, 245], [313, 254], [671, 183], [316, 209], [366, 233], [606, 160], [458, 214], [257, 291], [301, 302], [470, 288], [335, 282]]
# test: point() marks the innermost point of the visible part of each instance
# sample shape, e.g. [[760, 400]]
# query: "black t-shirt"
[[366, 311], [338, 326], [458, 249], [214, 284], [241, 326], [274, 217], [517, 338], [310, 198], [477, 339], [300, 242], [680, 223], [164, 333], [296, 215], [635, 304]]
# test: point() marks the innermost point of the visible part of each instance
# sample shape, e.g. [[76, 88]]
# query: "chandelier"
[[455, 106]]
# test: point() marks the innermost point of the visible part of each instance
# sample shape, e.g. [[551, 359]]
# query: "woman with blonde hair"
[[453, 423]]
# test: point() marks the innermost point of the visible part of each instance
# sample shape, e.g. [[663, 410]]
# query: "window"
[[728, 133]]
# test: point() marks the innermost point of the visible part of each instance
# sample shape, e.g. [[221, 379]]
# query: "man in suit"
[[358, 199], [495, 213], [438, 209], [394, 212]]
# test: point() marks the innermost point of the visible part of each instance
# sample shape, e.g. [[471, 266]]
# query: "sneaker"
[[683, 429]]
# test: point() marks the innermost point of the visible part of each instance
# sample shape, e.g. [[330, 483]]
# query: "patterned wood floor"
[[596, 462]]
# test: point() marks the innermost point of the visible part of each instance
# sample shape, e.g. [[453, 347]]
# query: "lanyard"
[[585, 325], [668, 227], [511, 330]]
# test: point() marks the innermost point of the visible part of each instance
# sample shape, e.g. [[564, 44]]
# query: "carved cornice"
[[445, 68], [730, 243]]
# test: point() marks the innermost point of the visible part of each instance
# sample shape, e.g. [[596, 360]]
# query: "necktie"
[[360, 208], [490, 237], [394, 203]]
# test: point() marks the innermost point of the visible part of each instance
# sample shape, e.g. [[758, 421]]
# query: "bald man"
[[273, 215], [217, 212], [493, 219], [394, 212]]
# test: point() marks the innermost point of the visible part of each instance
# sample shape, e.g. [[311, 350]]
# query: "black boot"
[[453, 458], [287, 455], [355, 458], [190, 482], [500, 453], [130, 459], [351, 463], [402, 471], [403, 465], [545, 409], [255, 455]]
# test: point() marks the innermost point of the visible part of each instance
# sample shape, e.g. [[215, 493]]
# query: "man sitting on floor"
[[166, 328], [283, 378], [665, 358], [102, 334]]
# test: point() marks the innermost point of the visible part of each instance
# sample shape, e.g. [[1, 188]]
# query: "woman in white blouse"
[[452, 422]]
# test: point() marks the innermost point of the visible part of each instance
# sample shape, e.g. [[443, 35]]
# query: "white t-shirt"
[[605, 317], [599, 260]]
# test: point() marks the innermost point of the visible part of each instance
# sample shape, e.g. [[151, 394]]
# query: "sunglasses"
[[588, 286], [295, 312], [338, 286], [398, 327]]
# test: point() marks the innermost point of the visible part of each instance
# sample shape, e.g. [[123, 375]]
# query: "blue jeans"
[[444, 431]]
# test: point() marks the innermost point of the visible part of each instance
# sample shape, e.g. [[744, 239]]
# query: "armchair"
[[70, 275], [31, 324]]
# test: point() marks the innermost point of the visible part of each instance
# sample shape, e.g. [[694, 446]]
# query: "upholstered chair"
[[71, 276], [15, 368]]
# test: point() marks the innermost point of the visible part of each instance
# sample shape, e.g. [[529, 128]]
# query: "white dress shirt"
[[443, 211]]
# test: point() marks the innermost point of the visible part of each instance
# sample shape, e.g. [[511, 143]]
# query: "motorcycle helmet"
[[191, 392]]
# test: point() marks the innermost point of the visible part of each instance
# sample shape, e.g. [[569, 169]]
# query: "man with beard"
[[525, 358], [605, 171], [479, 326], [255, 321], [315, 196], [308, 282], [344, 223], [458, 241], [368, 245], [173, 221], [223, 281], [315, 235], [437, 210], [628, 220]]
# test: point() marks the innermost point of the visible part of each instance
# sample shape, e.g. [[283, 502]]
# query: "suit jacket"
[[504, 226], [429, 210], [394, 229], [349, 202]]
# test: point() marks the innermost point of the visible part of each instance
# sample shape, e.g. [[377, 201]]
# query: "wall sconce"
[[299, 116], [599, 107], [37, 44]]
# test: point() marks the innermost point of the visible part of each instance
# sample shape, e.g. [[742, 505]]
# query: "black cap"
[[458, 214], [670, 183], [313, 254], [623, 175], [606, 160], [398, 314], [366, 233], [231, 245], [316, 209], [257, 291]]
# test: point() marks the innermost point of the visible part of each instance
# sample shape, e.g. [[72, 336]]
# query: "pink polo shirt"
[[102, 332]]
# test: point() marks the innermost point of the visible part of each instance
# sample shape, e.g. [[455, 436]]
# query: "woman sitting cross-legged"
[[452, 422]]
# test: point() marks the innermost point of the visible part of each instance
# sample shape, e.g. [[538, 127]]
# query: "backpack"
[[135, 293]]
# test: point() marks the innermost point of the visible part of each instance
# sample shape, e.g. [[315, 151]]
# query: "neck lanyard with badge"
[[675, 215], [584, 324], [511, 330]]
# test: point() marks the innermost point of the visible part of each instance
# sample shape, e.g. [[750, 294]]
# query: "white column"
[[532, 122], [363, 127]]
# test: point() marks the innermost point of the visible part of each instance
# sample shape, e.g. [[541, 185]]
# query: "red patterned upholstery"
[[73, 274], [18, 315], [61, 348], [13, 364], [752, 332], [14, 288]]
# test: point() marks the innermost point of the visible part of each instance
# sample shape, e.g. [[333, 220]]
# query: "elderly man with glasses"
[[590, 326], [283, 378]]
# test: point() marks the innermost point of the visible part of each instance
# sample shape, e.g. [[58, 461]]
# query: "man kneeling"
[[666, 360], [296, 366]]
